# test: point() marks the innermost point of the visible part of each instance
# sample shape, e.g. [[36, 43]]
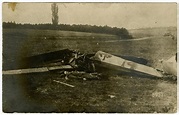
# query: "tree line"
[[121, 32]]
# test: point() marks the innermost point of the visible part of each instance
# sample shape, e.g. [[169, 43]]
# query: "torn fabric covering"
[[170, 66]]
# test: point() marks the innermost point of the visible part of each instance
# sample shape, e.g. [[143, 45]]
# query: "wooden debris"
[[63, 83], [36, 70]]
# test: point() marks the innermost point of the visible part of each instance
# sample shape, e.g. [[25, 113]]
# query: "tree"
[[54, 8]]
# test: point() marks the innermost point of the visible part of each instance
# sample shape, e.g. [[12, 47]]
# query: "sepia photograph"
[[89, 57]]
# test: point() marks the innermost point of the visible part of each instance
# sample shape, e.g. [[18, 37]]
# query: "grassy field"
[[157, 31], [118, 93]]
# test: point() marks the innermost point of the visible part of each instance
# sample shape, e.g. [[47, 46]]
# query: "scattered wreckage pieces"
[[82, 62], [81, 75], [105, 60]]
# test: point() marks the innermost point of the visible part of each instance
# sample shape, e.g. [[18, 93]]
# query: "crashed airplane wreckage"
[[70, 60]]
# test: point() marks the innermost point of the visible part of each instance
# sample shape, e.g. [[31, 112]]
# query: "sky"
[[127, 15]]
